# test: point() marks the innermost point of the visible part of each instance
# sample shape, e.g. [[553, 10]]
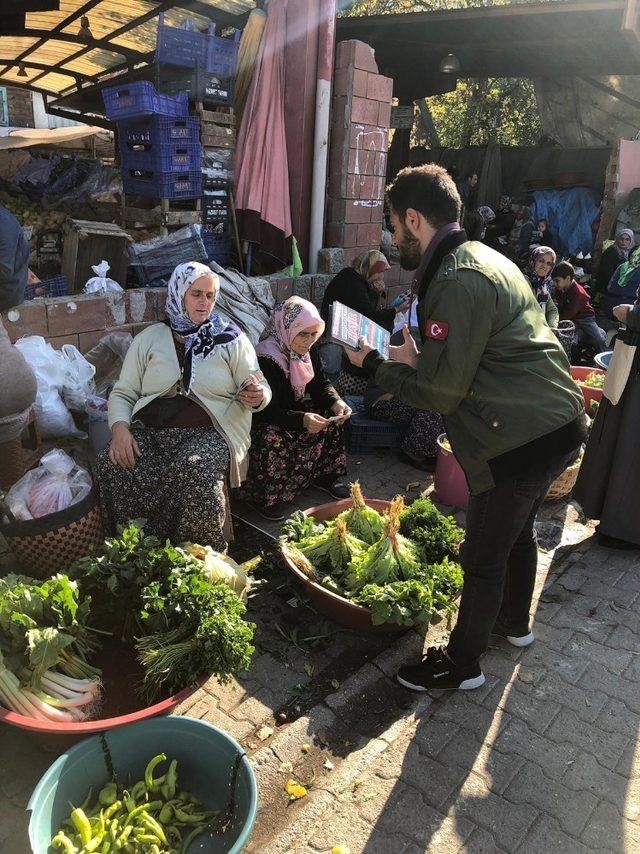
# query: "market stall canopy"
[[559, 38], [57, 52], [30, 137]]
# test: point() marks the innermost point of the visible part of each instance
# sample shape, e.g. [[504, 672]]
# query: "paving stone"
[[508, 823], [568, 728], [207, 711], [586, 702], [630, 580], [603, 589], [582, 646], [553, 758], [481, 842], [534, 711], [568, 667], [632, 671], [598, 679], [257, 708], [608, 830], [469, 751], [615, 717], [554, 637], [597, 628], [483, 719], [436, 781], [571, 809], [546, 836], [434, 734], [623, 638], [546, 611], [587, 775], [345, 826]]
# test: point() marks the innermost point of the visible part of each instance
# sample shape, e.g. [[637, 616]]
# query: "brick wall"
[[20, 108], [82, 319], [358, 150]]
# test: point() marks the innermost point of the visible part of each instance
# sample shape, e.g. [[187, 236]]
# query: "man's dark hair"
[[428, 189], [563, 270]]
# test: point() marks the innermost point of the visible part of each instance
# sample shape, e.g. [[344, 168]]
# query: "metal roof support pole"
[[326, 46]]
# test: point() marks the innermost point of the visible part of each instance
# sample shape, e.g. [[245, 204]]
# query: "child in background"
[[574, 304]]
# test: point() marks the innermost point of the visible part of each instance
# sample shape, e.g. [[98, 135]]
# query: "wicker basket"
[[18, 455], [565, 334], [52, 543], [564, 483]]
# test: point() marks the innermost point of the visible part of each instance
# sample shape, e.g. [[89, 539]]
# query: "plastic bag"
[[55, 484], [78, 380], [53, 417], [100, 282], [107, 357]]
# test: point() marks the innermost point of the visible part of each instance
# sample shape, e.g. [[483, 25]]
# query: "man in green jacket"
[[490, 364]]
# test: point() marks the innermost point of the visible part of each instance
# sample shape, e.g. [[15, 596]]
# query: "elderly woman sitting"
[[538, 272], [180, 417], [294, 441]]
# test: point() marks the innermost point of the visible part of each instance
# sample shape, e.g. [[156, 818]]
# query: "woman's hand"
[[343, 410], [407, 353], [314, 423], [123, 448], [252, 394], [621, 312]]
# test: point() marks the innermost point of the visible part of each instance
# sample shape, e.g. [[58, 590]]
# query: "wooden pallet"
[[217, 127], [164, 215]]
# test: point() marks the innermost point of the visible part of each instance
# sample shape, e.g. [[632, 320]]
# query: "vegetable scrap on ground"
[[401, 565], [152, 816], [181, 609]]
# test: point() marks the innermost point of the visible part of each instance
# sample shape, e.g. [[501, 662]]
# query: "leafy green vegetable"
[[298, 526], [405, 602], [362, 521], [594, 380], [332, 548], [392, 558], [438, 535]]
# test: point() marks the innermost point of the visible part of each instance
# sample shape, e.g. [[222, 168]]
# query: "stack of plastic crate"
[[159, 142]]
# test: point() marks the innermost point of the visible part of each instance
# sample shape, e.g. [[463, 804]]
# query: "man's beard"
[[409, 250]]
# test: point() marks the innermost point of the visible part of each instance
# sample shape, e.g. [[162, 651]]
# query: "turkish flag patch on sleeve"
[[437, 329]]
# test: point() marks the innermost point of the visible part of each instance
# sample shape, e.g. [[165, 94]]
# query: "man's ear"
[[412, 221]]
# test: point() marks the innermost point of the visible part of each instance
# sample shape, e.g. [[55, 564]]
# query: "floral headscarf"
[[288, 320], [199, 339], [370, 263], [629, 268], [540, 284]]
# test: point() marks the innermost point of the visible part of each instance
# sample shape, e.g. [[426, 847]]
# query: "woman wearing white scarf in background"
[[180, 417]]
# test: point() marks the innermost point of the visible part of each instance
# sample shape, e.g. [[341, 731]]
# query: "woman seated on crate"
[[360, 287], [180, 417], [297, 439], [422, 426]]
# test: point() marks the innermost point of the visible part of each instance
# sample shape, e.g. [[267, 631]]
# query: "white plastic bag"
[[100, 282], [53, 417], [55, 484], [78, 379]]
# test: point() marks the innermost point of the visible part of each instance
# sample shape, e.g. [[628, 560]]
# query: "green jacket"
[[497, 372]]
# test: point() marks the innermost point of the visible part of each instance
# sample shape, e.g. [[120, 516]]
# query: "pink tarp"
[[262, 178]]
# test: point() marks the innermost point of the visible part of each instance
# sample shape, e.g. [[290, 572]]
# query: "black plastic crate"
[[216, 204], [364, 435], [162, 185], [218, 245]]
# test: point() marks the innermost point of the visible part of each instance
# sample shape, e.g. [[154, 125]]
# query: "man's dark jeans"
[[499, 558]]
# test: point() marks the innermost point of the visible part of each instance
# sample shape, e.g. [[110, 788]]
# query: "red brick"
[[352, 186], [161, 299], [336, 211], [345, 53], [370, 235], [359, 86], [372, 187], [338, 135], [66, 315], [338, 109], [361, 161], [88, 340], [364, 57], [391, 276], [406, 276], [365, 111], [350, 254], [138, 327], [376, 208], [58, 343], [30, 318], [369, 136], [384, 115], [379, 88], [342, 81], [357, 211], [282, 289], [381, 165]]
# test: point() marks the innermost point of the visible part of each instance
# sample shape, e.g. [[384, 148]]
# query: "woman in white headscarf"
[[180, 417]]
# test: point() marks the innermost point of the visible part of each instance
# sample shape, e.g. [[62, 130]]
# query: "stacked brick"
[[358, 150]]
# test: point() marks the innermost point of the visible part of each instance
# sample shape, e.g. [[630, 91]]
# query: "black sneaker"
[[335, 488], [273, 513], [517, 637], [439, 671]]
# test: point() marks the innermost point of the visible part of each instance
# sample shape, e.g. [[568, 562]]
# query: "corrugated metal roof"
[[53, 56]]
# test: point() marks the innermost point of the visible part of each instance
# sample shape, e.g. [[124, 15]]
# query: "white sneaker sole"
[[525, 640], [466, 685]]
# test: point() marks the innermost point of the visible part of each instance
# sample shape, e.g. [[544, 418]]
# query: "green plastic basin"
[[206, 759]]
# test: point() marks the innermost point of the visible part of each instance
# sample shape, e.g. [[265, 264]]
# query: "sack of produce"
[[55, 484], [50, 368], [100, 283]]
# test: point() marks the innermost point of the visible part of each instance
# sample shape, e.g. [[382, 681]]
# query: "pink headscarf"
[[288, 319]]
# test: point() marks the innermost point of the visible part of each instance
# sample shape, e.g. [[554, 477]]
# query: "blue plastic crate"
[[133, 100], [162, 185], [56, 286], [161, 157], [192, 49], [364, 435], [154, 129], [179, 46], [222, 54], [218, 245]]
